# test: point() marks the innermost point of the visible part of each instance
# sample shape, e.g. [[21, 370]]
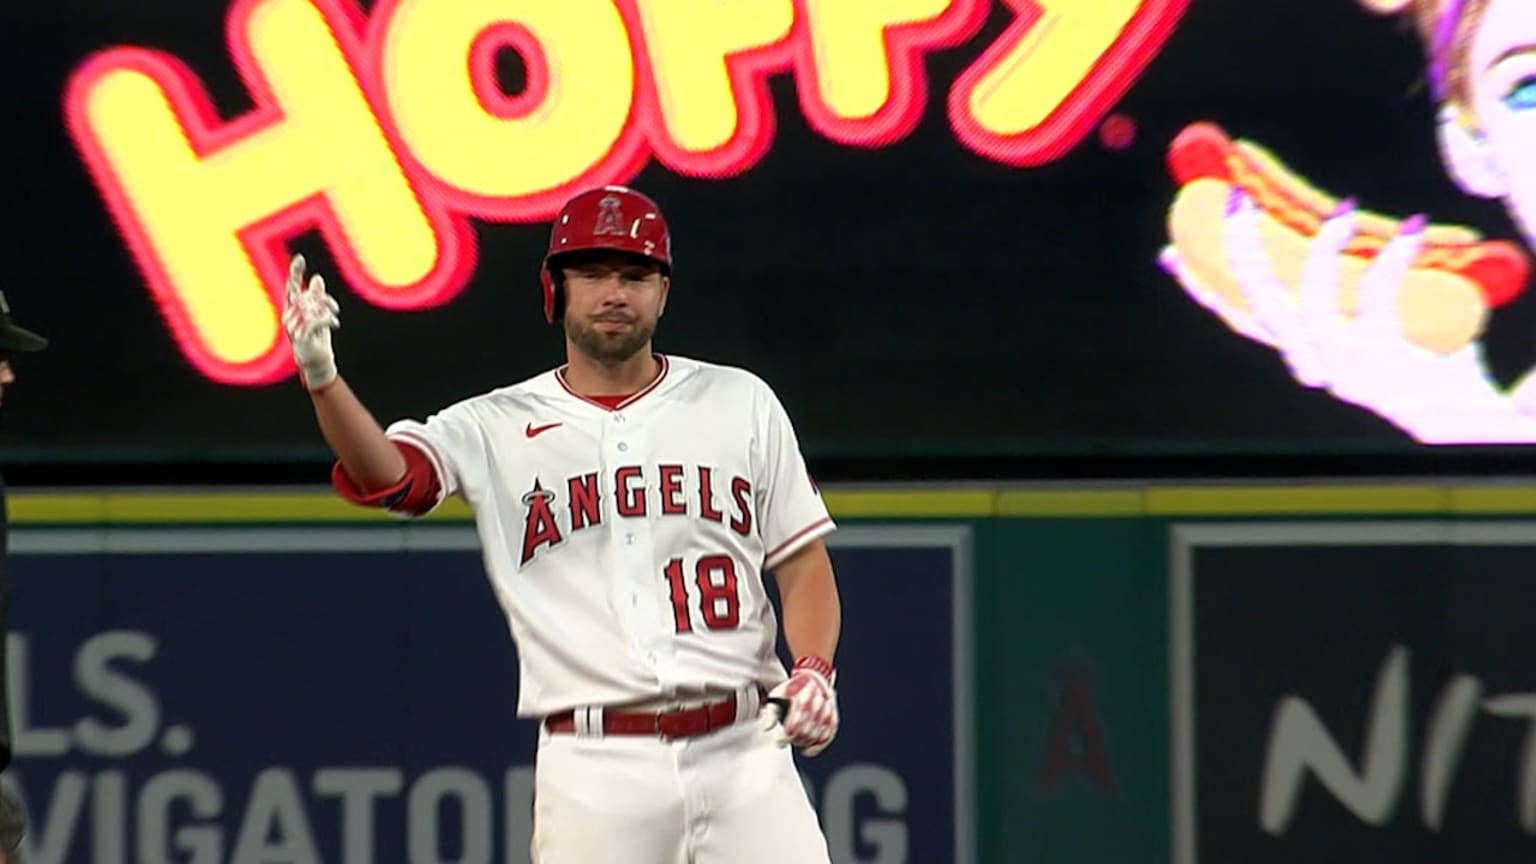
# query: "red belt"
[[683, 723]]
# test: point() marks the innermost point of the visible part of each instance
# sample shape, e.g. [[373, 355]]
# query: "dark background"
[[923, 311], [1318, 622]]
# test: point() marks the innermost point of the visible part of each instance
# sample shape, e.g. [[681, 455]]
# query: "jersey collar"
[[661, 373]]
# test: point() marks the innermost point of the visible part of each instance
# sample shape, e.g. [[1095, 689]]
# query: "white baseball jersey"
[[626, 546]]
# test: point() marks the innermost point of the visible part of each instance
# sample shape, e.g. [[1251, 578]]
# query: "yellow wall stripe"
[[1493, 499], [29, 507], [1296, 500], [1072, 502], [925, 503]]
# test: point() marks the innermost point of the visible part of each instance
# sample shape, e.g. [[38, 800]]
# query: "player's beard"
[[609, 347]]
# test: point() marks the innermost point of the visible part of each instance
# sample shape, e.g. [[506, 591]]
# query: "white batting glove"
[[802, 710], [309, 316]]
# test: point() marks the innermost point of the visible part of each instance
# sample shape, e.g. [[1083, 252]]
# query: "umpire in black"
[[13, 340]]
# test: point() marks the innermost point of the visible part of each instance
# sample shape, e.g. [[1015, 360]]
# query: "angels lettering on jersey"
[[575, 504]]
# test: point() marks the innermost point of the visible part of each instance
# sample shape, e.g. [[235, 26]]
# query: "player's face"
[[612, 303], [1503, 75]]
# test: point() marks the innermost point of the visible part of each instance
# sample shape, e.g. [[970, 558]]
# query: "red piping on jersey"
[[796, 536], [439, 464], [414, 494], [627, 400]]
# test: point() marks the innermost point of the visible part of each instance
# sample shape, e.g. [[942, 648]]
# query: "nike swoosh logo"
[[532, 430]]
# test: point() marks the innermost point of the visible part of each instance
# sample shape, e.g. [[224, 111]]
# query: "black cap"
[[13, 338]]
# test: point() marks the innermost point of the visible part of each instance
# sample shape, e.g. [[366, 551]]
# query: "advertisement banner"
[[1149, 227], [1356, 691], [346, 695]]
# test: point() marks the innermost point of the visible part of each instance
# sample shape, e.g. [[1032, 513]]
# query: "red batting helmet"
[[611, 217]]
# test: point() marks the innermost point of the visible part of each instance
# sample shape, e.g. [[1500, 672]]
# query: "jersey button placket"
[[636, 549], [627, 546], [656, 606], [622, 443], [643, 591]]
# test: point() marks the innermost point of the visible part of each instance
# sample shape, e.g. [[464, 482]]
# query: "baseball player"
[[14, 339], [628, 504]]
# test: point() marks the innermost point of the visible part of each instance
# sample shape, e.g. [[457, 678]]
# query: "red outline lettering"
[[1108, 79], [906, 46]]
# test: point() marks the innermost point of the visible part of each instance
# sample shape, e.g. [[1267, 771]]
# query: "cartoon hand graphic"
[[1454, 281], [1362, 356]]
